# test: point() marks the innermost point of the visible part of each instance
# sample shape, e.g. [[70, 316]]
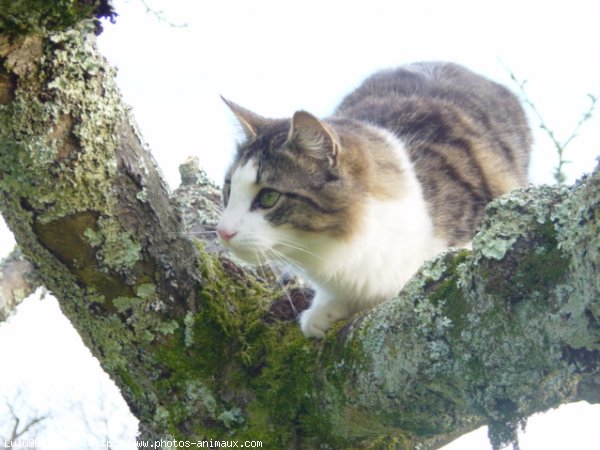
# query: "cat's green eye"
[[267, 198]]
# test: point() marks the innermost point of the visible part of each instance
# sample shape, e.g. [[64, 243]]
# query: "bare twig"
[[160, 15], [18, 431], [560, 146], [29, 425]]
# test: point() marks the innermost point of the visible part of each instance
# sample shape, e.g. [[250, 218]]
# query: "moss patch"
[[529, 268], [445, 291]]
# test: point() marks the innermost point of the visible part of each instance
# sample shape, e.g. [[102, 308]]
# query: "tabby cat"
[[356, 202]]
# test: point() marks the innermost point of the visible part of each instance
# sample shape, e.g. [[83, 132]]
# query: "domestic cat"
[[356, 202]]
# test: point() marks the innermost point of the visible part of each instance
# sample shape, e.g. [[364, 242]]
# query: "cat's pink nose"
[[225, 234]]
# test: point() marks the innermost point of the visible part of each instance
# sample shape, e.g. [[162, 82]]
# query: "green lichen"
[[66, 92], [142, 195], [202, 398], [58, 150], [123, 304], [168, 327], [508, 217], [232, 417], [74, 92], [188, 322], [512, 299], [146, 290], [57, 156], [578, 234], [497, 248], [119, 250], [94, 238]]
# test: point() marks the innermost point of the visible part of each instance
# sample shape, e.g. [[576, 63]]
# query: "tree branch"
[[191, 338], [560, 146], [18, 432], [500, 333], [17, 280], [85, 200]]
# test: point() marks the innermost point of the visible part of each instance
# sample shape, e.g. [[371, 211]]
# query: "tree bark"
[[17, 281], [202, 348]]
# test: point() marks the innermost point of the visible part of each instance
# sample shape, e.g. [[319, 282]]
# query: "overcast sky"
[[278, 56], [274, 57]]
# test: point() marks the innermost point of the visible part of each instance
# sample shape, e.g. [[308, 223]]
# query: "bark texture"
[[17, 281], [205, 349]]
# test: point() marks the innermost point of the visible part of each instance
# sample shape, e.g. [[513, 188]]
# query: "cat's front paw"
[[314, 322]]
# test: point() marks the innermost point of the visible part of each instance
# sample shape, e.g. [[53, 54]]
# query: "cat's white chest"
[[396, 237], [394, 240]]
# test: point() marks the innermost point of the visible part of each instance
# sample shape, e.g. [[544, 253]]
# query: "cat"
[[358, 201]]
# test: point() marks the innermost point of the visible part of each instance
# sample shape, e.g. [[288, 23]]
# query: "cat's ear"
[[251, 123], [314, 137]]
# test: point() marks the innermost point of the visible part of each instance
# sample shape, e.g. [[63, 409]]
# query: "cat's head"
[[290, 187]]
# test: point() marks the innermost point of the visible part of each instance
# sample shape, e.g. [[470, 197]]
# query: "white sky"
[[274, 57]]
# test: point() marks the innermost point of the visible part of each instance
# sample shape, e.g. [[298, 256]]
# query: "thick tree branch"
[[488, 336], [500, 333], [85, 200]]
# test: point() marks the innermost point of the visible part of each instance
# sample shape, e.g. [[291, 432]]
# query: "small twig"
[[560, 147], [584, 118], [29, 425], [16, 433], [160, 15]]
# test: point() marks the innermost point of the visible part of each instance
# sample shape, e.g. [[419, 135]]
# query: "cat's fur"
[[400, 171]]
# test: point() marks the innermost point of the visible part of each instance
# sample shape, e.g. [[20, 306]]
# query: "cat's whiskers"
[[269, 262], [197, 233], [287, 260], [190, 233], [298, 246], [260, 264], [277, 257]]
